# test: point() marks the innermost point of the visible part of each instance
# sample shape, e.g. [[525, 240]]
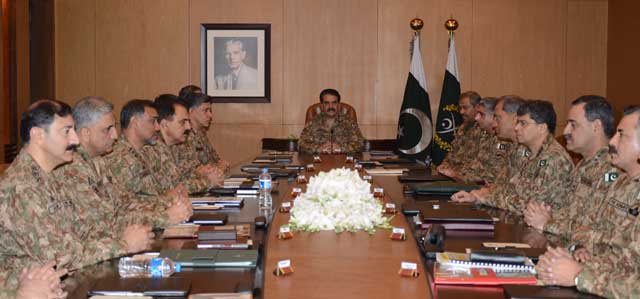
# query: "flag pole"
[[451, 25]]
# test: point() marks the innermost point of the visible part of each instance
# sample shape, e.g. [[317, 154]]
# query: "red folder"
[[446, 274]]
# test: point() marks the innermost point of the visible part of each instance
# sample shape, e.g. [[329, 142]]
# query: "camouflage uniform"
[[486, 163], [544, 177], [129, 170], [345, 133], [160, 161], [614, 241], [120, 208], [464, 146], [589, 183], [510, 159], [193, 153], [41, 220]]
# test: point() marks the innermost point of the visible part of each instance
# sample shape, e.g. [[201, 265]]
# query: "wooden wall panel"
[[622, 57], [238, 142], [519, 48], [141, 48], [551, 49], [4, 100], [22, 93], [75, 55], [232, 11], [586, 51], [330, 44]]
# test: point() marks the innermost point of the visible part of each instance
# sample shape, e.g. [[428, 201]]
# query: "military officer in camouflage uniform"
[[611, 267], [40, 219], [589, 127], [195, 154], [329, 131], [483, 167], [464, 146], [509, 156], [173, 121], [200, 113], [544, 175], [95, 126]]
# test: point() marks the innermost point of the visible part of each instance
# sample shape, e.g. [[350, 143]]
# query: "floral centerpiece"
[[338, 200]]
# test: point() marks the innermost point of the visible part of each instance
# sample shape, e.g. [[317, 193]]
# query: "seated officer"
[[608, 264], [195, 154], [200, 112], [589, 127], [544, 175], [484, 167], [127, 162], [173, 122], [40, 219], [95, 127], [464, 145], [331, 132]]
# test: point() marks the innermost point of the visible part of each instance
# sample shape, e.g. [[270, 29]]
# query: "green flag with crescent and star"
[[415, 129], [448, 111]]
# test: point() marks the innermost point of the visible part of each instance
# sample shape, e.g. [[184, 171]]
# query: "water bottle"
[[264, 191], [155, 267]]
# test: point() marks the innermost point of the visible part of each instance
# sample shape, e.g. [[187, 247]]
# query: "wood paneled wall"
[[623, 62], [123, 49]]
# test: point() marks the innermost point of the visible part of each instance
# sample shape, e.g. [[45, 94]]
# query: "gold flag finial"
[[416, 24], [451, 24]]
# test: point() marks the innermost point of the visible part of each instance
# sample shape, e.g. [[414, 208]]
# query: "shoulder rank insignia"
[[634, 211], [502, 146], [542, 163], [610, 177]]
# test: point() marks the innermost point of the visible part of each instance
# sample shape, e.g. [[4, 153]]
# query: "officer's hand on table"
[[581, 255], [223, 166], [203, 170], [216, 177], [178, 193], [557, 267], [481, 194], [326, 148], [41, 283], [537, 214], [463, 196], [445, 170], [179, 211], [137, 238]]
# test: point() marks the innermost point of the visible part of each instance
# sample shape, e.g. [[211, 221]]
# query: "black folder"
[[156, 287]]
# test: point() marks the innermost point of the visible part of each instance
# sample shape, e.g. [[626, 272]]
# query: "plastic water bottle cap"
[[178, 267], [264, 170]]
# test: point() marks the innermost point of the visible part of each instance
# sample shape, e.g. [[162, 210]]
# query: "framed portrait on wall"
[[235, 62]]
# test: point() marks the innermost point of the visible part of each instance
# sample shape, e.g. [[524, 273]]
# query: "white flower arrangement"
[[338, 200]]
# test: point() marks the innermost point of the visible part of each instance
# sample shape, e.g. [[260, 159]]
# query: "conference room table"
[[329, 264]]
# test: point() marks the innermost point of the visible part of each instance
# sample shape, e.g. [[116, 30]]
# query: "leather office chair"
[[343, 108]]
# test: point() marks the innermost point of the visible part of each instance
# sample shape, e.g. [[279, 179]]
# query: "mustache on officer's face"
[[331, 110], [71, 147], [567, 137], [613, 149]]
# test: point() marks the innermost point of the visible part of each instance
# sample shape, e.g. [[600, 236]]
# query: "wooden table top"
[[346, 265]]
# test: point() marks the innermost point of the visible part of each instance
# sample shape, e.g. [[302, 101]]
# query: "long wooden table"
[[345, 265], [327, 264]]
